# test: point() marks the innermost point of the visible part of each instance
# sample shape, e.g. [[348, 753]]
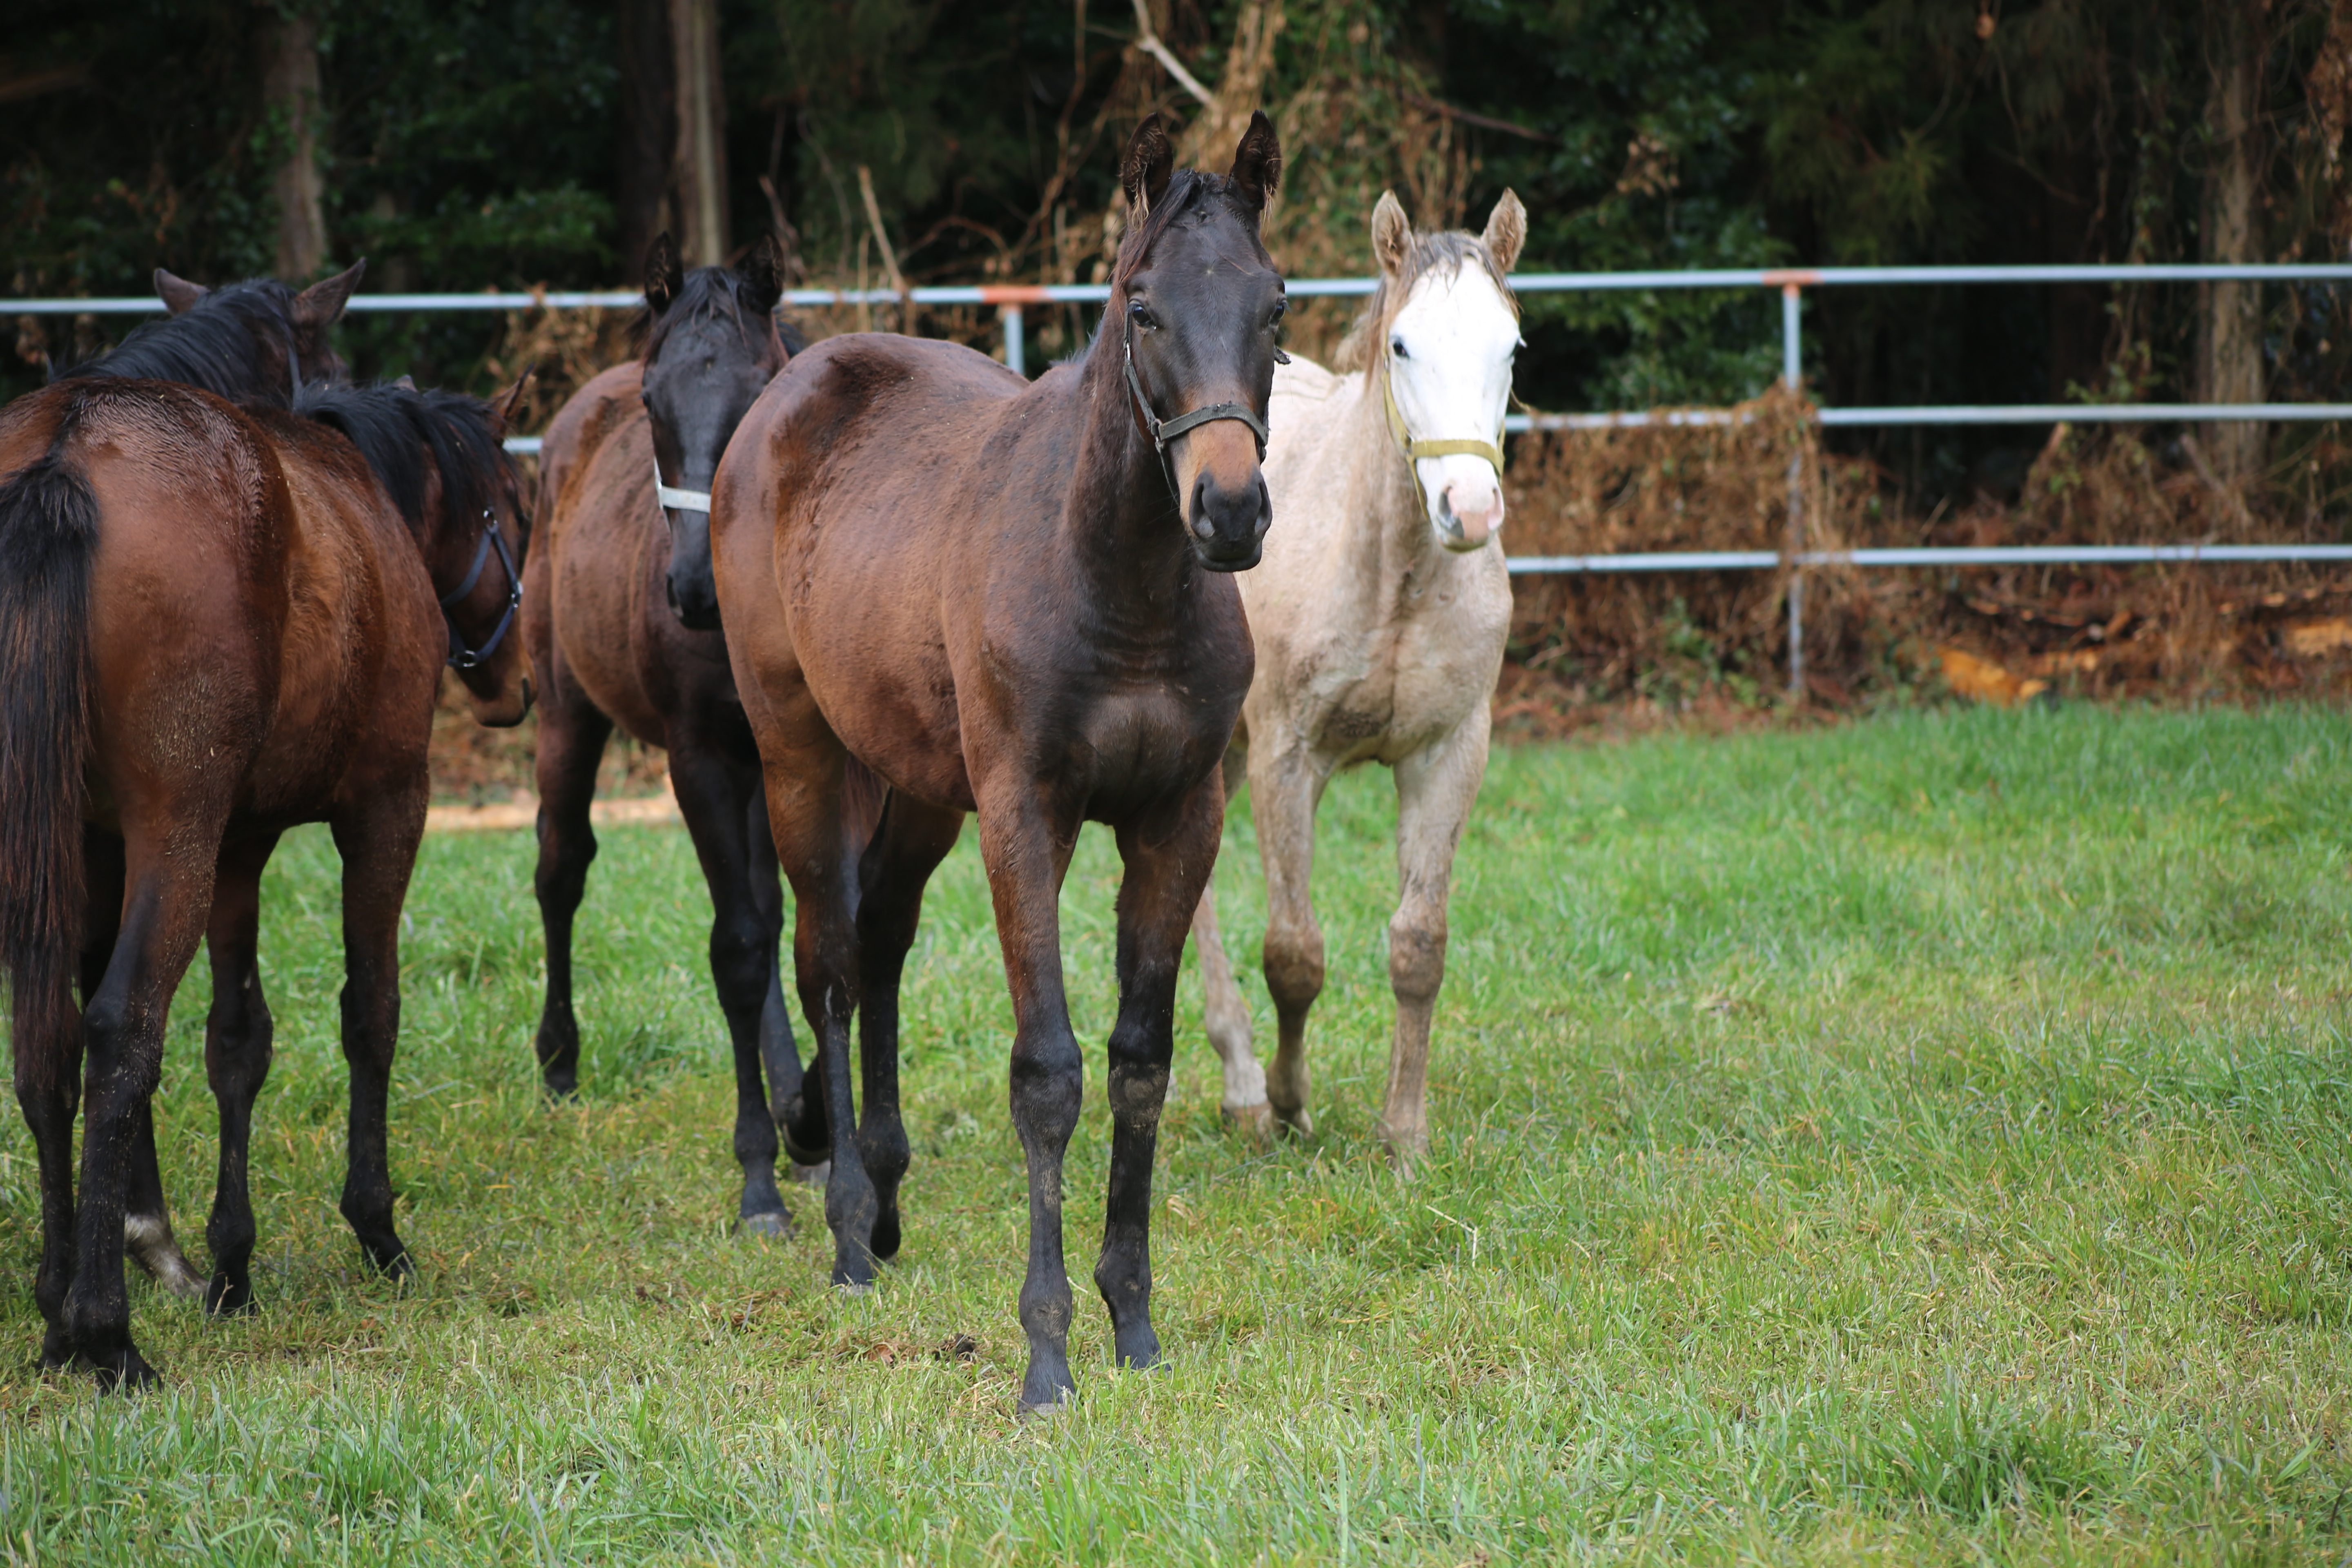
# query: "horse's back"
[[246, 581], [600, 552], [605, 402]]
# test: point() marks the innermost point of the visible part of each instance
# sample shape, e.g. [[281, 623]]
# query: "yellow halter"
[[1413, 450]]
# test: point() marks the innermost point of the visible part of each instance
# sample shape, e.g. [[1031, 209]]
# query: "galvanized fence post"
[[1014, 355], [1792, 372]]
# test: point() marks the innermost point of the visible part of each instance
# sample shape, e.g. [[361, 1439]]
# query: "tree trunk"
[[289, 90], [648, 128], [2228, 325], [699, 177]]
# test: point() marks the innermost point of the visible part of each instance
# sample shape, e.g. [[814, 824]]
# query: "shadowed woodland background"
[[514, 143]]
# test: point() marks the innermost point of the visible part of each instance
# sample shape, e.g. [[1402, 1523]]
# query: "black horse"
[[620, 620]]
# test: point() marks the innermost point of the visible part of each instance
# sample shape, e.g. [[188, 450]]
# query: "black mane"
[[219, 344], [707, 293], [398, 429]]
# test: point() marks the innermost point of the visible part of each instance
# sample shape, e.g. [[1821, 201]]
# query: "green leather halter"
[[1415, 450]]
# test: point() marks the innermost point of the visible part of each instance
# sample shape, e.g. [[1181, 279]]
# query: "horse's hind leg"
[[378, 842], [909, 845], [713, 793], [146, 1216], [796, 1097], [571, 736], [805, 804], [1225, 1014], [169, 900], [1435, 791], [1166, 867], [238, 1039]]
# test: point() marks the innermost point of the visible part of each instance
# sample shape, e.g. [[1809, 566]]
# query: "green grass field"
[[1918, 1139]]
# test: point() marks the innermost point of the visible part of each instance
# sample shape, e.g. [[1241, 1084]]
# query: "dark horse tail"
[[49, 535]]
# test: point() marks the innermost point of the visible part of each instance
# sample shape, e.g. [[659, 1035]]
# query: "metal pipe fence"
[[1012, 301]]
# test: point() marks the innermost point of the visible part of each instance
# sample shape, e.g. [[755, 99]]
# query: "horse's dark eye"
[[1141, 315], [1396, 347]]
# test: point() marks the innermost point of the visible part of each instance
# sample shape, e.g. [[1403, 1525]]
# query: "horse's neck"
[[1386, 530], [1122, 526]]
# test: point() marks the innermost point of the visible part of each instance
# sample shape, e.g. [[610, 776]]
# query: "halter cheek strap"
[[680, 500], [1414, 450], [460, 655], [1164, 431]]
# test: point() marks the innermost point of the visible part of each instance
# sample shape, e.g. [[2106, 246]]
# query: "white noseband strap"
[[681, 500]]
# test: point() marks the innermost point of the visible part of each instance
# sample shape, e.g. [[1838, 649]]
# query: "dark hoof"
[[852, 1273], [771, 1224], [389, 1258], [805, 1139], [226, 1298], [562, 1090], [1140, 1353], [886, 1237], [56, 1351], [123, 1372]]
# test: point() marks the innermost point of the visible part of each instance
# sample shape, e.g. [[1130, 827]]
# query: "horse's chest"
[[1147, 739], [1385, 692]]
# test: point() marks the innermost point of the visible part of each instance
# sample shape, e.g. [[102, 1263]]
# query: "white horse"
[[1379, 614]]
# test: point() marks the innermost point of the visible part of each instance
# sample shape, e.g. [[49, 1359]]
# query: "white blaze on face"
[[1449, 352]]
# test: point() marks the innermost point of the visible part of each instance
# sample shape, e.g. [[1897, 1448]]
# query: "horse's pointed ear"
[[179, 295], [1392, 235], [763, 271], [505, 405], [1507, 232], [1257, 162], [1150, 164], [664, 277], [322, 302]]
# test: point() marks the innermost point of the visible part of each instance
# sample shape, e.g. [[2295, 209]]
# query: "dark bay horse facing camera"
[[250, 341], [194, 657], [620, 618], [996, 596]]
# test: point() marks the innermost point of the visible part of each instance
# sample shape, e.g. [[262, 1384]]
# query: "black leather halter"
[[1164, 431], [460, 655]]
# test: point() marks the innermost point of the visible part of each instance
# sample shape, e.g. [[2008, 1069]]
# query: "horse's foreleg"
[[571, 736], [122, 1027], [1284, 792], [237, 1036], [1167, 873], [908, 846], [712, 793], [1434, 792], [803, 790], [378, 843], [1025, 855]]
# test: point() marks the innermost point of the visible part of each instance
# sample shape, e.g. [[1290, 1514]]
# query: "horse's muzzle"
[[1228, 524]]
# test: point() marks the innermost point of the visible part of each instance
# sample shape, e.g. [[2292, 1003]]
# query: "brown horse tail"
[[49, 535]]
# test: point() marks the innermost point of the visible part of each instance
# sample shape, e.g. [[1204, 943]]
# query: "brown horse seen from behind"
[[620, 620], [1013, 599], [195, 656]]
